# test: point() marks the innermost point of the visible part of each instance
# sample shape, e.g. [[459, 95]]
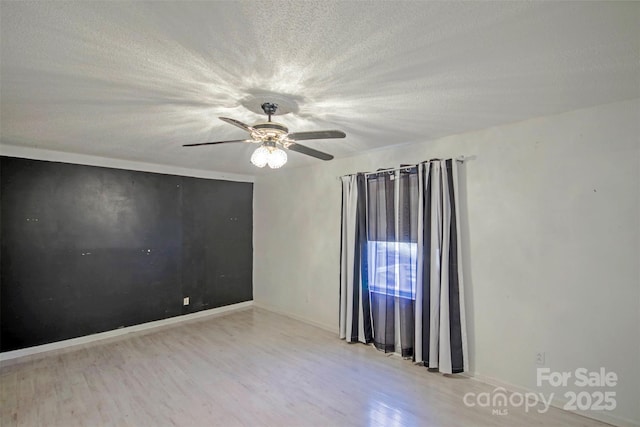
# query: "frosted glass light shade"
[[272, 156], [277, 158], [260, 156]]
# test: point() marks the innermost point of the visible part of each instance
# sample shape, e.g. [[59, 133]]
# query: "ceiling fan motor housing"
[[270, 130], [271, 127]]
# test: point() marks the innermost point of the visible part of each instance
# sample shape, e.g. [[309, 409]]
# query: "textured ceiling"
[[135, 80]]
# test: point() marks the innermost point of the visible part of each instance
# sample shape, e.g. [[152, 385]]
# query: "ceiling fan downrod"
[[269, 109]]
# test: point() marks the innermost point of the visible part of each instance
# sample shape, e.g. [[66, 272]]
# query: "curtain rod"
[[460, 159]]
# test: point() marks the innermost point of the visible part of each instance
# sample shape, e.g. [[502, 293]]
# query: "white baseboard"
[[296, 317], [605, 417], [14, 355]]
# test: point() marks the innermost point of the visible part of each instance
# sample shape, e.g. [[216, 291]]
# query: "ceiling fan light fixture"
[[267, 155]]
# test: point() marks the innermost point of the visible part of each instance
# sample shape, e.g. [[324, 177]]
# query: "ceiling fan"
[[273, 136]]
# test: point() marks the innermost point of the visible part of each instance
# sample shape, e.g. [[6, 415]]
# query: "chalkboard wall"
[[89, 249]]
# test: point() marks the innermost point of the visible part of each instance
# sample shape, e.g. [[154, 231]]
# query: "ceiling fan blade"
[[309, 151], [237, 123], [318, 134], [217, 142]]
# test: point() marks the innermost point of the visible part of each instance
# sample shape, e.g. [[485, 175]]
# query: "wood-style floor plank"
[[247, 368]]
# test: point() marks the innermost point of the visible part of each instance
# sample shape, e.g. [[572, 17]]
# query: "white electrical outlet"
[[185, 301], [540, 358]]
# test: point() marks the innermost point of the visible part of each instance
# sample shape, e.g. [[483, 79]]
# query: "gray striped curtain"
[[441, 333], [392, 235], [401, 280], [355, 314]]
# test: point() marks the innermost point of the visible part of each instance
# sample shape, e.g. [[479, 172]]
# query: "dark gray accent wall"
[[88, 249]]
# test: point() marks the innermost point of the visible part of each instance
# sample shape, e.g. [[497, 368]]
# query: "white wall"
[[552, 243]]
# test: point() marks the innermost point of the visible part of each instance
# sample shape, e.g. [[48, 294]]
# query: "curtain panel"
[[401, 273], [392, 235], [355, 312], [440, 322]]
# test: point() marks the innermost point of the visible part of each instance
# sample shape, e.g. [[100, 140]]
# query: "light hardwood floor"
[[247, 368]]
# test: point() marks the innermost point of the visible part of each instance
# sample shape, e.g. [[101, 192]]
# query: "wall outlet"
[[540, 358], [185, 301]]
